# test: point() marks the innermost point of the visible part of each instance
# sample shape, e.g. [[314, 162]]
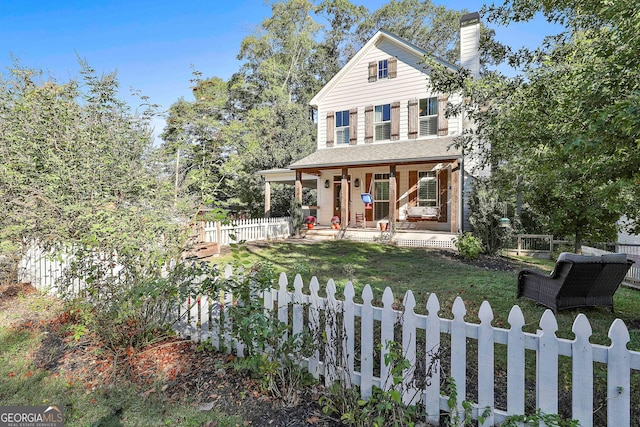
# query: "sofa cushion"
[[422, 211], [608, 258], [614, 258], [568, 256]]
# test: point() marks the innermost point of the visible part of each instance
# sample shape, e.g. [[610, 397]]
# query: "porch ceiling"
[[288, 177], [375, 154]]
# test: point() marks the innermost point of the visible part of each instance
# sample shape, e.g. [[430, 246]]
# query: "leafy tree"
[[77, 168], [337, 44], [277, 56], [487, 208], [194, 141], [268, 138], [435, 29], [569, 126]]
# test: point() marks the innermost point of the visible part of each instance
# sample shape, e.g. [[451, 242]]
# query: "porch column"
[[299, 186], [455, 198], [344, 198], [392, 196], [267, 199]]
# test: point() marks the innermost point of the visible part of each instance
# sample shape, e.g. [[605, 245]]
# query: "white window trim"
[[425, 118], [426, 202], [383, 178], [341, 130], [381, 69], [383, 124]]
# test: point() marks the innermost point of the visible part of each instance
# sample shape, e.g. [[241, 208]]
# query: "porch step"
[[320, 234]]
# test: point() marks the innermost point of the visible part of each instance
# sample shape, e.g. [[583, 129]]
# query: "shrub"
[[296, 216], [487, 209], [469, 246]]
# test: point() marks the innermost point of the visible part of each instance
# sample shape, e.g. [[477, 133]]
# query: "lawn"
[[494, 279], [425, 271]]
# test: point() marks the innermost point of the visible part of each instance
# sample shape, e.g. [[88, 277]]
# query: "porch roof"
[[397, 152]]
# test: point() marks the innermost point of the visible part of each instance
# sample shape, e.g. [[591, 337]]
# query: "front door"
[[337, 197]]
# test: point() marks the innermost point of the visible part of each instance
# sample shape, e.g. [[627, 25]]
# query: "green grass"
[[427, 271]]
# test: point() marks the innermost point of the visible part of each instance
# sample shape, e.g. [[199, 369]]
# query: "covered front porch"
[[412, 185]]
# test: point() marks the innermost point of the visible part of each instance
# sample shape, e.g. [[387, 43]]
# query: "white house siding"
[[355, 91]]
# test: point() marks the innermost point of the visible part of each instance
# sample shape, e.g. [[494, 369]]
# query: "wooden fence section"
[[633, 252], [534, 244], [356, 357], [247, 229]]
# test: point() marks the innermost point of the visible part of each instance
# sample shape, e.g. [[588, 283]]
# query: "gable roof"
[[411, 151], [373, 41]]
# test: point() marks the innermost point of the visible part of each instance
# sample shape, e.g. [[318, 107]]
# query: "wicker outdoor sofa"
[[576, 281]]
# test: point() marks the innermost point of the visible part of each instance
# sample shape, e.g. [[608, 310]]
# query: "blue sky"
[[153, 44]]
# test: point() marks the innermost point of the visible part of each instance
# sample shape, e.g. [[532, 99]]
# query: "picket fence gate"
[[248, 230], [206, 320]]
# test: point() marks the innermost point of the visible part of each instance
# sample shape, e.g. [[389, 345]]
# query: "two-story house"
[[382, 132]]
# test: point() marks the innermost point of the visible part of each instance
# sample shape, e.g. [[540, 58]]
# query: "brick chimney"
[[470, 43]]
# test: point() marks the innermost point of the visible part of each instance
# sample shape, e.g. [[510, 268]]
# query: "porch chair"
[[576, 281], [360, 221]]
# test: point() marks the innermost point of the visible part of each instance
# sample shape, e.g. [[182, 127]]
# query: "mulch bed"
[[174, 370]]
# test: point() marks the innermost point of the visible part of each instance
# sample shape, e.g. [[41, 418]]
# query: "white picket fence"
[[371, 324], [248, 230], [44, 268]]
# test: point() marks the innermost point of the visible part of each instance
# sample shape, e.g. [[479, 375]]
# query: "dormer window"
[[428, 116], [383, 69], [382, 120], [342, 127]]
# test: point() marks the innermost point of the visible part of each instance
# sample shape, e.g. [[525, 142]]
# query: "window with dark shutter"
[[368, 123], [395, 121], [353, 126], [330, 128], [443, 189], [443, 123], [413, 118], [393, 67], [373, 71], [413, 189]]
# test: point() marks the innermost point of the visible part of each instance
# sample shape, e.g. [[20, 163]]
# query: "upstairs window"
[[427, 189], [382, 120], [428, 116], [342, 127], [383, 69]]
